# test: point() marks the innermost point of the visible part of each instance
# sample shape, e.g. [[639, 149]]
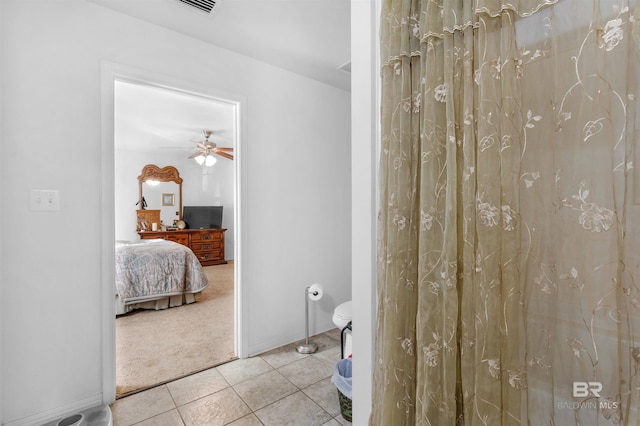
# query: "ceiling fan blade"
[[225, 155], [195, 154], [224, 149]]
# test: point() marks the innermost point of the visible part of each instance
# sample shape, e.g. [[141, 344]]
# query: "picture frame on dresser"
[[146, 218]]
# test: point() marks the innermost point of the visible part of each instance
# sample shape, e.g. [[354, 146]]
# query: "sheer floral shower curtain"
[[509, 230]]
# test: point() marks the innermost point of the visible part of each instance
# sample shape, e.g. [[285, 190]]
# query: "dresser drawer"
[[209, 255], [206, 236], [175, 236], [180, 239], [206, 246]]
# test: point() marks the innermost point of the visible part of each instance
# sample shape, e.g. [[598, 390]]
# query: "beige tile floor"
[[280, 387]]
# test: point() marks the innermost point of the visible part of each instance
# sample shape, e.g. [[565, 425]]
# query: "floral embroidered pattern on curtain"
[[509, 250]]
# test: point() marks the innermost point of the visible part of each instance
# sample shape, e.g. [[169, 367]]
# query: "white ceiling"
[[308, 37], [149, 118]]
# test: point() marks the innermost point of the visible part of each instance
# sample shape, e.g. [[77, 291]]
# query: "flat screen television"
[[202, 217]]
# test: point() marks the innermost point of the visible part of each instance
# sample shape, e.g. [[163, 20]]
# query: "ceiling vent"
[[346, 67], [204, 5]]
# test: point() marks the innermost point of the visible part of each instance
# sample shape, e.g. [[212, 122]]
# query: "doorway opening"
[[156, 123]]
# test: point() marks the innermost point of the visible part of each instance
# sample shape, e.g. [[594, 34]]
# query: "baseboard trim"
[[275, 343], [57, 413]]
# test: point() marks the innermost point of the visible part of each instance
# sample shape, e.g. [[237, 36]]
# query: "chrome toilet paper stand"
[[307, 347]]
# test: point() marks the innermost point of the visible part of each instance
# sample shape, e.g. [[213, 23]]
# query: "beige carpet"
[[154, 347]]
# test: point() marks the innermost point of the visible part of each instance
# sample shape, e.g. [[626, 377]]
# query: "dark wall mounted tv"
[[202, 217]]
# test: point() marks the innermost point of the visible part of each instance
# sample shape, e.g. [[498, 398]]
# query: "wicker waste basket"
[[342, 379]]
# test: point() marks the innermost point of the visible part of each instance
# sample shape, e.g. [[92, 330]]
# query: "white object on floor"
[[342, 315], [94, 416]]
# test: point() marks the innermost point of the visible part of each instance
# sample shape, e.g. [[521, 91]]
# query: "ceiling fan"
[[205, 150]]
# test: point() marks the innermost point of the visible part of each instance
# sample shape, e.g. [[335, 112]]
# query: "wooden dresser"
[[206, 244]]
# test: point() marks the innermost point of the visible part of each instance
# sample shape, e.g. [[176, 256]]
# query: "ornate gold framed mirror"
[[156, 187]]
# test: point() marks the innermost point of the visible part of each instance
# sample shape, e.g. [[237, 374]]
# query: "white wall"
[[3, 180], [296, 227], [365, 119]]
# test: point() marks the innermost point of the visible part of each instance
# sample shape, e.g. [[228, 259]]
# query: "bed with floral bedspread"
[[156, 274]]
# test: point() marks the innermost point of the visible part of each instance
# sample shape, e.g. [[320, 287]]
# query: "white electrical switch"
[[44, 200]]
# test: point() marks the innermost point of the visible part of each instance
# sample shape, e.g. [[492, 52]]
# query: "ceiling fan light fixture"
[[208, 151], [210, 160]]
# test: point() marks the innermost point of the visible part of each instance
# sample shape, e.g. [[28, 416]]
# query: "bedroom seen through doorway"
[[163, 127]]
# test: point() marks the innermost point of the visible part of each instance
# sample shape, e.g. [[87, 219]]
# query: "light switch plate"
[[44, 200]]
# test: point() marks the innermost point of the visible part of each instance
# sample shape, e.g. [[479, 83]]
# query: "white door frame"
[[110, 72]]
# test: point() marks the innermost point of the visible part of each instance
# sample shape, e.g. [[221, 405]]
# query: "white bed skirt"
[[157, 303]]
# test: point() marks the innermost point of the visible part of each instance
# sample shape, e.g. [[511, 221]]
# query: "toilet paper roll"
[[315, 292]]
